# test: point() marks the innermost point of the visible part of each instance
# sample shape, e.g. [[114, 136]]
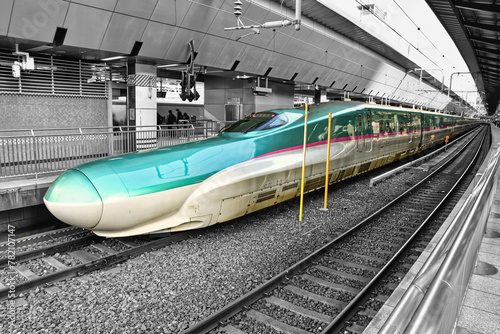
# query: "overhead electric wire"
[[421, 31], [384, 22]]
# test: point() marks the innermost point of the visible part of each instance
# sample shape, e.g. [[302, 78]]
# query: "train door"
[[360, 132], [420, 126], [368, 130], [363, 140], [409, 127]]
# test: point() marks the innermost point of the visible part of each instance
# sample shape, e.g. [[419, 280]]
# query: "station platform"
[[21, 203], [481, 310], [21, 192], [480, 313]]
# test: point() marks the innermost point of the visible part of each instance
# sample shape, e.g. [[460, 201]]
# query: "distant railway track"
[[337, 289], [73, 258]]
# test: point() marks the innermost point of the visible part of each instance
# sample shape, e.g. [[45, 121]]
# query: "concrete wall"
[[41, 112], [220, 91]]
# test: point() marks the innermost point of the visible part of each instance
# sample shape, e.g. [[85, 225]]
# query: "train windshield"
[[258, 122]]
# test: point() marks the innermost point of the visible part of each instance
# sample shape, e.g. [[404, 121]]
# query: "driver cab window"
[[258, 122], [275, 122]]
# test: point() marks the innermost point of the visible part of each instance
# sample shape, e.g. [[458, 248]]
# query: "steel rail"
[[53, 249], [347, 312], [100, 263], [236, 306], [34, 239]]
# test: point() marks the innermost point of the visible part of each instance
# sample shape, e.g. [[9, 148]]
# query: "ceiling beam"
[[491, 41], [496, 60], [497, 65], [477, 6], [492, 70], [490, 51], [491, 76], [494, 81], [482, 26]]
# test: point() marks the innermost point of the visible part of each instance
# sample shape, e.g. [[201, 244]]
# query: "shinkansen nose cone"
[[73, 199]]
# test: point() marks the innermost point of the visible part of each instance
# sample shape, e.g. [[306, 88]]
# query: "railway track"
[[42, 240], [80, 255], [337, 289]]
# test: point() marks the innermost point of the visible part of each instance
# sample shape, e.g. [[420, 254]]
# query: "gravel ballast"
[[167, 290]]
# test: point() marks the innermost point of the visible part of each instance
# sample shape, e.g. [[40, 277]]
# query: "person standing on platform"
[[170, 118], [159, 119], [179, 115], [170, 121]]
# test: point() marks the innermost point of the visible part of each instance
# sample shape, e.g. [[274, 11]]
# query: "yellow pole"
[[303, 165], [328, 158]]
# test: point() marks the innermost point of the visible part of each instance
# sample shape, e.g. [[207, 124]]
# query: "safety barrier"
[[35, 152], [433, 301]]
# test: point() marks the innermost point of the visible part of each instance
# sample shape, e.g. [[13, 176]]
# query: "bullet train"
[[251, 164]]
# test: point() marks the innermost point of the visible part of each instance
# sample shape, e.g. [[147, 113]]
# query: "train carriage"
[[251, 164]]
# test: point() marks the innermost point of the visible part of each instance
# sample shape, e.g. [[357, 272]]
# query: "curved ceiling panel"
[[5, 11], [210, 49], [86, 26], [170, 13], [179, 49], [131, 7], [36, 19], [103, 4], [157, 39], [199, 17], [122, 32]]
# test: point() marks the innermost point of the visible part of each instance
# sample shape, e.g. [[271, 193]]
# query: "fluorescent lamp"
[[170, 65], [113, 58]]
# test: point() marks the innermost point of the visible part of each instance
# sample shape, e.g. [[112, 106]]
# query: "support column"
[[319, 95], [226, 97], [141, 103]]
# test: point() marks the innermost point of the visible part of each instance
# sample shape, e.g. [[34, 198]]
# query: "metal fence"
[[35, 152]]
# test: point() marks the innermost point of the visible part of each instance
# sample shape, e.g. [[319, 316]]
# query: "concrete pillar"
[[141, 103], [227, 96], [320, 95]]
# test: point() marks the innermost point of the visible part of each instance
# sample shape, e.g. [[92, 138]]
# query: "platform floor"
[[481, 311]]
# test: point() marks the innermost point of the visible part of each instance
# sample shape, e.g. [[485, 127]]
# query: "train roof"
[[344, 107]]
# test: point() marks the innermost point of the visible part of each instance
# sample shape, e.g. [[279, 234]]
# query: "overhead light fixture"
[[170, 65], [113, 58]]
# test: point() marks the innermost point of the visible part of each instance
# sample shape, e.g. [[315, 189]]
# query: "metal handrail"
[[37, 154], [84, 129], [427, 305]]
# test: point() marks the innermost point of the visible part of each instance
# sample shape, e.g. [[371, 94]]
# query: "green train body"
[[249, 165]]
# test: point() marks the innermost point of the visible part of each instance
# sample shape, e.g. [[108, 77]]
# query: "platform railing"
[[36, 152], [433, 301]]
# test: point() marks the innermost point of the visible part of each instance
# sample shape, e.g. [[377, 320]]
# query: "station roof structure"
[[318, 12], [97, 30], [473, 25]]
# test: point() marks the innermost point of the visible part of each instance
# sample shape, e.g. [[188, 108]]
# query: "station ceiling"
[[473, 25], [95, 30]]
